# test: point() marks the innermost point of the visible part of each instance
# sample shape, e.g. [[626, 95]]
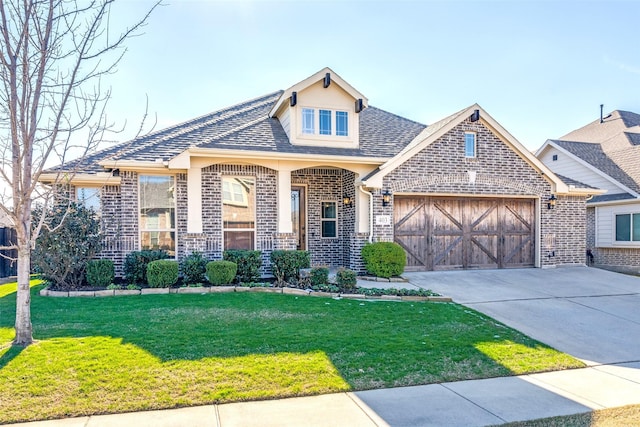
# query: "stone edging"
[[217, 289]]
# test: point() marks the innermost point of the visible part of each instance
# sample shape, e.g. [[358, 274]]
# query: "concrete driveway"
[[589, 313]]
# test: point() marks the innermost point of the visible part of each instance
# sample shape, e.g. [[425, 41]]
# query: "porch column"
[[362, 212], [284, 201], [194, 196]]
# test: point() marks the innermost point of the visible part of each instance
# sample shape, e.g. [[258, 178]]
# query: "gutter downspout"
[[370, 212]]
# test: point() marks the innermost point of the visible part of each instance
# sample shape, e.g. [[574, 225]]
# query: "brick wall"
[[626, 260], [441, 168]]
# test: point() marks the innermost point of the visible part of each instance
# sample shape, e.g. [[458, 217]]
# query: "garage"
[[447, 233]]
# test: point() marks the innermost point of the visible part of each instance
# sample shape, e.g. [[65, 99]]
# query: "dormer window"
[[330, 123]]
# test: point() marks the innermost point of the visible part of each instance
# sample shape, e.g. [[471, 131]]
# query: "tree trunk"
[[24, 335]]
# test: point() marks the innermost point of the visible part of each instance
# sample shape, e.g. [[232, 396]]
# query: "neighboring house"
[[315, 167], [605, 154]]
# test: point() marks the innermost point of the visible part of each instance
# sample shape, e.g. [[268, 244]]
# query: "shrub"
[[100, 272], [286, 265], [384, 259], [162, 273], [135, 264], [193, 268], [319, 276], [221, 272], [69, 238], [346, 279], [248, 262]]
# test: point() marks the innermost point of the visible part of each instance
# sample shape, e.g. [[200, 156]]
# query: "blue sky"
[[540, 68]]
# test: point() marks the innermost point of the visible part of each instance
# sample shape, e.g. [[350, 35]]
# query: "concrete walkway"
[[464, 403], [589, 313]]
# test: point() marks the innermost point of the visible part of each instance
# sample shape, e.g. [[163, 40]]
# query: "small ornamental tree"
[[69, 238]]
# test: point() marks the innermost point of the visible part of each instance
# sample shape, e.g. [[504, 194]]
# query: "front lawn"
[[103, 355]]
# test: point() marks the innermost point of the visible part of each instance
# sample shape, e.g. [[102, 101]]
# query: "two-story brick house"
[[315, 167]]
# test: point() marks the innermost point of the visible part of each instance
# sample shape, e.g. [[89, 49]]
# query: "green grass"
[[103, 355], [615, 417]]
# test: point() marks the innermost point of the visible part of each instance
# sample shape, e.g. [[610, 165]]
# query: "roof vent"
[[475, 116], [327, 80], [293, 100], [601, 114]]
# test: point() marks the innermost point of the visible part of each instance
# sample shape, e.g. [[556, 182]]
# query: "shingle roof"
[[611, 197], [571, 181], [247, 126], [611, 132]]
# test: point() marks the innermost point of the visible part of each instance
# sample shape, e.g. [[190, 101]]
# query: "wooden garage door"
[[443, 233]]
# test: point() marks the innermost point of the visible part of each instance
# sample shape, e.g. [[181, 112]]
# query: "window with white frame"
[[238, 212], [329, 220], [308, 116], [628, 227], [330, 122], [157, 213], [89, 197], [469, 144]]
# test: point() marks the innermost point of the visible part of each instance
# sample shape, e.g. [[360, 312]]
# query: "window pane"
[[238, 209], [239, 240], [623, 228], [328, 210], [342, 123], [329, 229], [469, 145], [307, 120], [159, 240], [636, 227], [89, 198], [325, 122]]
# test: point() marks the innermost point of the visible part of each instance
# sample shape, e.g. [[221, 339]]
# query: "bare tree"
[[53, 57]]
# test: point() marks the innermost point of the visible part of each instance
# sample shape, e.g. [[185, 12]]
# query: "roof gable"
[[434, 132], [312, 80]]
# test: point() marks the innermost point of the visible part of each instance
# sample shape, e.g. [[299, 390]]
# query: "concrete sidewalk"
[[464, 403]]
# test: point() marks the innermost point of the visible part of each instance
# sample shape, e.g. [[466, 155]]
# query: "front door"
[[298, 211]]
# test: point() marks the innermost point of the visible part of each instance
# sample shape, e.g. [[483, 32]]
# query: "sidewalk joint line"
[[473, 403]]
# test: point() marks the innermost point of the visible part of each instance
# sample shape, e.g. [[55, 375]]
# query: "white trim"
[[550, 143]]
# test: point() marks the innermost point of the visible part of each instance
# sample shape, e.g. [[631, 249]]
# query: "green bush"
[[135, 265], [162, 273], [286, 265], [319, 276], [69, 238], [193, 268], [384, 259], [248, 262], [346, 279], [221, 272], [100, 272]]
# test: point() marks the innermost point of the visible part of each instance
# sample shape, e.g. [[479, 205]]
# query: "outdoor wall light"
[[346, 200], [551, 202], [386, 198]]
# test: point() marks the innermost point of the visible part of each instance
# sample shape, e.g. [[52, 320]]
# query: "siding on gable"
[[605, 225], [570, 168], [285, 122]]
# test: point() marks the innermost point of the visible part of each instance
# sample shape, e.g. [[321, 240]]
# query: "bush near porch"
[[384, 259]]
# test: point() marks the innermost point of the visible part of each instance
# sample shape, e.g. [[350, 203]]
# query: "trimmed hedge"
[[221, 272], [100, 272], [384, 259], [286, 265], [248, 263], [136, 262], [319, 276], [346, 279], [162, 273], [193, 268]]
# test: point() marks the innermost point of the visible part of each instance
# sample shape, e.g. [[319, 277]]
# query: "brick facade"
[[441, 168]]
